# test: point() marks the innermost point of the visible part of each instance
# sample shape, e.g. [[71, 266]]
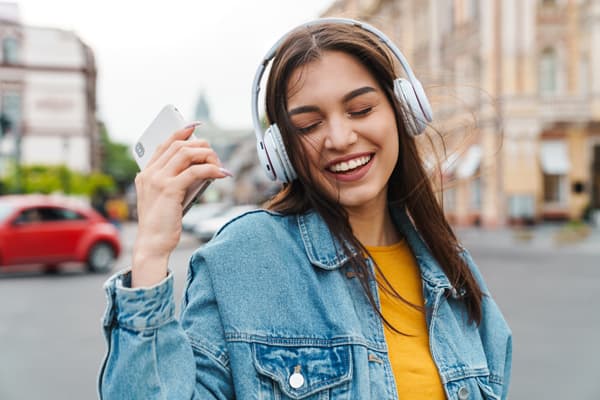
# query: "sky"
[[151, 53]]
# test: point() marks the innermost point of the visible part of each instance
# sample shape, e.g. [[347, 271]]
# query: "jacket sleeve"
[[152, 355]]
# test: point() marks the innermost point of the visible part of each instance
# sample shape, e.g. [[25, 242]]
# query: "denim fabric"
[[269, 312]]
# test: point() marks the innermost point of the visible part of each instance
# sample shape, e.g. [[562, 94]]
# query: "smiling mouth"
[[349, 166]]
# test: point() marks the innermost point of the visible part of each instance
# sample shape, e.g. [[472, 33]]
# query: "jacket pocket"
[[303, 372], [471, 388]]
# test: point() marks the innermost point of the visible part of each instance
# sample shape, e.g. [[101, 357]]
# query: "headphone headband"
[[345, 21]]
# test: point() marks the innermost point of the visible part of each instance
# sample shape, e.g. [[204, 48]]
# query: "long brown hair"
[[409, 186]]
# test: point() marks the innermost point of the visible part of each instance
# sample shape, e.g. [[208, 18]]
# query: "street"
[[51, 344]]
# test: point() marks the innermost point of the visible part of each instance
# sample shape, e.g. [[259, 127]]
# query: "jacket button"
[[463, 393], [296, 379]]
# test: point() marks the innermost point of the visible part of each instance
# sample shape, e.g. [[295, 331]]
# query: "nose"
[[340, 134]]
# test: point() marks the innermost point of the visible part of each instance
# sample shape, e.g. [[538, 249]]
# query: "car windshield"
[[5, 210]]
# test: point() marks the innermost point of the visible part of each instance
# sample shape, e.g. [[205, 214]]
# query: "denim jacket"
[[271, 312]]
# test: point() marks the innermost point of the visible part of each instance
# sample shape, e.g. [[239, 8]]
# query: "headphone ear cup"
[[263, 158], [278, 157], [405, 93]]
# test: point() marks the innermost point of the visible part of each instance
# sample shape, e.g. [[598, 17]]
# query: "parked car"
[[37, 229], [200, 212], [205, 229]]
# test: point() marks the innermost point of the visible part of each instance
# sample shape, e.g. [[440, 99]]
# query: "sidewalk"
[[537, 238]]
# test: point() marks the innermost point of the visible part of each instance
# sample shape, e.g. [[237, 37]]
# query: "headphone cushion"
[[405, 93], [278, 155]]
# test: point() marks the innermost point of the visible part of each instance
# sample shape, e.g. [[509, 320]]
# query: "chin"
[[359, 198], [368, 193]]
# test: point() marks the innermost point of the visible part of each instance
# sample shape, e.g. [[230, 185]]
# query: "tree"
[[116, 160], [48, 179]]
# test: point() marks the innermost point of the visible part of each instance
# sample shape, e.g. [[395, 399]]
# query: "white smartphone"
[[168, 121]]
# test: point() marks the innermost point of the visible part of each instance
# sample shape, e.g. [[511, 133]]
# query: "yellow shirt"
[[416, 374]]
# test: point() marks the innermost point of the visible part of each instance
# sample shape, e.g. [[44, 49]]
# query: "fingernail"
[[226, 171], [193, 124]]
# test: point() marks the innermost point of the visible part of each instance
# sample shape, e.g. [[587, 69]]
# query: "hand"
[[161, 186]]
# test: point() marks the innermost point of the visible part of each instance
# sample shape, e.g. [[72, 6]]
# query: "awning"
[[554, 158], [470, 162]]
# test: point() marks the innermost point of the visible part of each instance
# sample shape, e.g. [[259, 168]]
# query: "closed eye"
[[309, 128], [361, 112]]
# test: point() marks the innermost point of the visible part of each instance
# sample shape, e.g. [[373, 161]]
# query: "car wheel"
[[101, 257]]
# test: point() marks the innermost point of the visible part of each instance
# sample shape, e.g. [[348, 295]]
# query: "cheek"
[[386, 135]]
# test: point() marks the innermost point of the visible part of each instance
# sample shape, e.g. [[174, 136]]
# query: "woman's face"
[[347, 127]]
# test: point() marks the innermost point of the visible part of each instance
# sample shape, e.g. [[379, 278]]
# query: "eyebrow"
[[345, 99], [357, 92]]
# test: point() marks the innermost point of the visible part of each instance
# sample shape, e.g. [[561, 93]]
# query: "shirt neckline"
[[386, 249]]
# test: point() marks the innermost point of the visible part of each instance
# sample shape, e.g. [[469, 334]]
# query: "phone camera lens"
[[139, 149]]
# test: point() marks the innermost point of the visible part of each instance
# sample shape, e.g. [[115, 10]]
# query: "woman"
[[351, 285]]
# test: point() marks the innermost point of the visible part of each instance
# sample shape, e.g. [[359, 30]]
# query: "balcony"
[[553, 109]]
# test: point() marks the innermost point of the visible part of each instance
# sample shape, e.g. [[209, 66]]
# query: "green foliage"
[[56, 178], [116, 160], [118, 170]]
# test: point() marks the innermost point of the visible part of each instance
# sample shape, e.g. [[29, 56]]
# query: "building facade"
[[236, 148], [47, 95], [515, 86]]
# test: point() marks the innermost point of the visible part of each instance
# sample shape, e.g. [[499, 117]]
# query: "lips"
[[350, 168], [346, 166]]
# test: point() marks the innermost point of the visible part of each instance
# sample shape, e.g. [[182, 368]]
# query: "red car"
[[37, 229]]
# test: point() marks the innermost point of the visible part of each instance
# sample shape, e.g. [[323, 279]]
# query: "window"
[[69, 215], [452, 14], [476, 193], [29, 216], [10, 115], [584, 76], [555, 190], [548, 71], [10, 50], [46, 214], [596, 177], [474, 10], [450, 199], [59, 214], [521, 206]]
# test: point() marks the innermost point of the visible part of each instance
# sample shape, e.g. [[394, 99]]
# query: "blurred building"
[[523, 78], [237, 150], [217, 136], [48, 95]]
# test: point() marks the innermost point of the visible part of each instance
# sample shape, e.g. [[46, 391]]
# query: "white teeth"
[[348, 165]]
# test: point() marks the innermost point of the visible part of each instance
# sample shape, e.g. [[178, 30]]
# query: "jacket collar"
[[321, 247], [430, 269], [325, 252]]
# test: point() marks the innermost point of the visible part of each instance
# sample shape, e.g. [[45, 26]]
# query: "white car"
[[205, 229], [199, 212]]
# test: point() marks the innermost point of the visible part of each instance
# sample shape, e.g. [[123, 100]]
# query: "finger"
[[188, 156], [175, 148], [199, 172], [182, 134]]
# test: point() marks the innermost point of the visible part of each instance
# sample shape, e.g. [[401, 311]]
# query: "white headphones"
[[271, 151]]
